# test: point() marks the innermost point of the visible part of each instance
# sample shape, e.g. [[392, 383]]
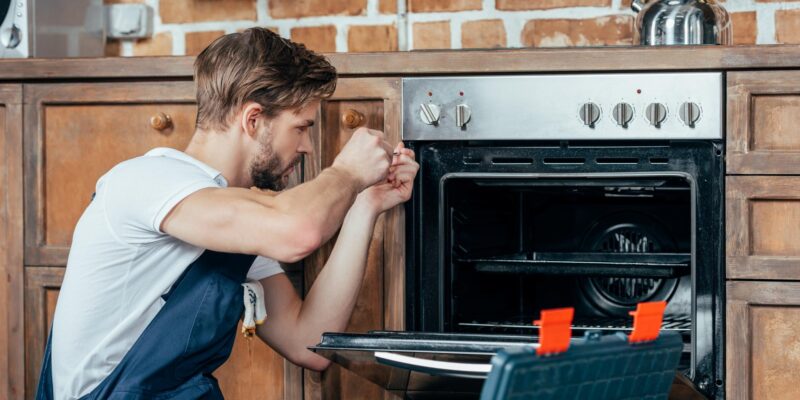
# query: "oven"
[[592, 191]]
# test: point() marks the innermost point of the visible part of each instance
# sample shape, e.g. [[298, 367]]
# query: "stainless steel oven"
[[592, 191]]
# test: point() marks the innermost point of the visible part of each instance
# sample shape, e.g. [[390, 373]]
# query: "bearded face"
[[267, 170]]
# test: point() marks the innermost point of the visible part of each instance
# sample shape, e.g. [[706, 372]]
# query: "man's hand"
[[365, 157], [397, 187]]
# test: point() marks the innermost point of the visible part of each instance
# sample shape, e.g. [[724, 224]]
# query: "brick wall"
[[185, 27]]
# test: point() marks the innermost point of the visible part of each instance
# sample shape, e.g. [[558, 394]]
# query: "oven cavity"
[[518, 245]]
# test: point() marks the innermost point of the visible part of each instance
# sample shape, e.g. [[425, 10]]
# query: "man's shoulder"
[[158, 168]]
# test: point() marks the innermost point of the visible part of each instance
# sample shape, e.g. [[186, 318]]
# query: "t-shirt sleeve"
[[138, 194], [264, 268]]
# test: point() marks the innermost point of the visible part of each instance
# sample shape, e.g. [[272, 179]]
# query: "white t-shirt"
[[120, 264]]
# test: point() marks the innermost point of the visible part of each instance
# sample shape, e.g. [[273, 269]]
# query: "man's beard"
[[266, 171]]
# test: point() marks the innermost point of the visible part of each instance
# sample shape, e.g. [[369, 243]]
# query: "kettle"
[[681, 22]]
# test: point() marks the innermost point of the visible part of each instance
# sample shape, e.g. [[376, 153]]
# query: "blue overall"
[[189, 338]]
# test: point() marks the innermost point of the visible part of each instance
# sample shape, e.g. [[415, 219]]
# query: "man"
[[152, 293]]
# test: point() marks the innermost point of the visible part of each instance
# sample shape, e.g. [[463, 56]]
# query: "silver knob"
[[656, 113], [429, 113], [463, 113], [623, 113], [689, 113], [589, 113]]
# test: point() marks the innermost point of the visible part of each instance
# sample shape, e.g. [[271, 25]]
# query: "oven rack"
[[640, 265]]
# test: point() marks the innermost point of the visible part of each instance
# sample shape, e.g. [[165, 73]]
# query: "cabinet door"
[[762, 122], [762, 229], [76, 133], [11, 316], [762, 347], [374, 103], [41, 293]]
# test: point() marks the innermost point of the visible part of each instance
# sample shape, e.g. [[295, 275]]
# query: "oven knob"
[[463, 113], [656, 113], [689, 113], [590, 113], [429, 113], [623, 113]]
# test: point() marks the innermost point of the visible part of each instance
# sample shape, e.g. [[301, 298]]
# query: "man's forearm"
[[324, 200], [332, 297]]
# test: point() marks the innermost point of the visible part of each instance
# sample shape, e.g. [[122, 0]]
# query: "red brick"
[[745, 27], [158, 45], [387, 7], [514, 5], [113, 48], [312, 8], [443, 5], [197, 41], [611, 30], [182, 11], [432, 35], [318, 38], [372, 38], [483, 34], [787, 26]]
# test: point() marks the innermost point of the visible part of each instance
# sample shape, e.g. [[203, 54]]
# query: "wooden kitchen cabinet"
[[762, 202], [373, 103], [762, 347], [11, 228], [763, 110]]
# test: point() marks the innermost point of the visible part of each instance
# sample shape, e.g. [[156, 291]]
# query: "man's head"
[[267, 88]]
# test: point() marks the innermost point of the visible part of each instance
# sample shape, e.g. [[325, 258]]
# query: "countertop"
[[540, 60]]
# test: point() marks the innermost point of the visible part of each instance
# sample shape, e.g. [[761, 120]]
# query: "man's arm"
[[293, 324], [286, 226]]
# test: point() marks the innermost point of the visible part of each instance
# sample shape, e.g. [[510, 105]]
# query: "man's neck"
[[221, 151]]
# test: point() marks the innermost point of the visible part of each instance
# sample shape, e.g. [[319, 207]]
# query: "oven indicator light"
[[430, 94], [460, 93], [638, 91]]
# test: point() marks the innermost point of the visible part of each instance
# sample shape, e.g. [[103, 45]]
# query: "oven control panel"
[[629, 106]]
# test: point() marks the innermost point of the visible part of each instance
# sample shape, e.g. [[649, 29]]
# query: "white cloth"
[[120, 264], [255, 312]]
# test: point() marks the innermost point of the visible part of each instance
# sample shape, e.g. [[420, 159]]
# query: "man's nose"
[[305, 144]]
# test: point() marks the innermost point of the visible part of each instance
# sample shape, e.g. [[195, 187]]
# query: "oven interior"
[[515, 245]]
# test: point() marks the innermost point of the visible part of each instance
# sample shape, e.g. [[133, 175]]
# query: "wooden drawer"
[[762, 228], [763, 114], [74, 134], [762, 347]]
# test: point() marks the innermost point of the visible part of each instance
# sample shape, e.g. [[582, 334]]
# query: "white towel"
[[254, 310]]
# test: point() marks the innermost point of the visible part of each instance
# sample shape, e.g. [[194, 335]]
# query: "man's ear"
[[251, 111]]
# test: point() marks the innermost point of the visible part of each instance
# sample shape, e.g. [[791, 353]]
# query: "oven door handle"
[[434, 367]]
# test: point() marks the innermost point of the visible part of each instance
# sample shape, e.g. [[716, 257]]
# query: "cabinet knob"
[[161, 121], [352, 119]]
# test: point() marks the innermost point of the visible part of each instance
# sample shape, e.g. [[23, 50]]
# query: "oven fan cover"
[[629, 233]]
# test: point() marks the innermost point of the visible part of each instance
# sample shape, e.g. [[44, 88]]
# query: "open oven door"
[[420, 365]]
